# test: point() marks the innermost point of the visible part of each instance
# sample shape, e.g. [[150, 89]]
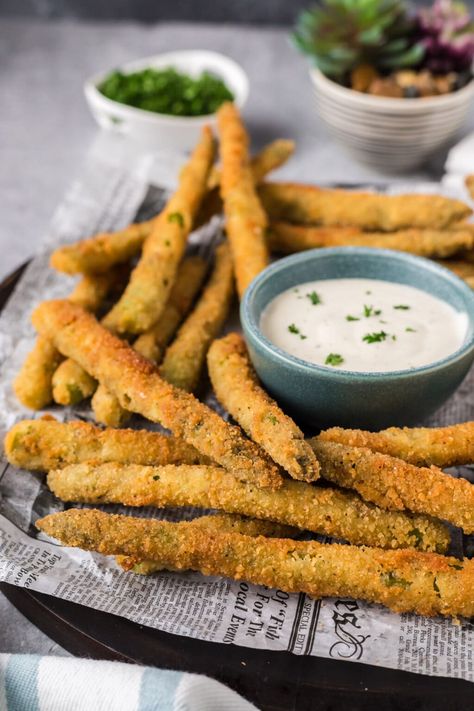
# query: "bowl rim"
[[94, 96], [390, 103], [250, 323]]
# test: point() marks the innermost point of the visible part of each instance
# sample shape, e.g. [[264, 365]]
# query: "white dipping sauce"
[[364, 325]]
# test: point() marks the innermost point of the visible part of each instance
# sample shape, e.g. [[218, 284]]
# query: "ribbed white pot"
[[393, 135]]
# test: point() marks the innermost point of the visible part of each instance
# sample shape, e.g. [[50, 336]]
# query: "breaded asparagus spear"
[[185, 357], [422, 446], [394, 484], [151, 344], [319, 509], [48, 444], [33, 385], [405, 580], [287, 238], [245, 218], [148, 290], [140, 388], [236, 386], [308, 204], [99, 253], [216, 523]]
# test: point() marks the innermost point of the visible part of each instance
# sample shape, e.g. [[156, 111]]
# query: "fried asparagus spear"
[[140, 388], [101, 252], [148, 290], [215, 523], [271, 157], [423, 446], [236, 386], [308, 204], [287, 238], [405, 580], [245, 218], [44, 444], [33, 385], [185, 357], [320, 509], [394, 484], [151, 344]]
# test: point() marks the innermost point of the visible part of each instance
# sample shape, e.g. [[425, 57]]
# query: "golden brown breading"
[[394, 484], [185, 357], [320, 509], [140, 388], [287, 238], [308, 204], [215, 523], [245, 219], [99, 253], [34, 385], [151, 344], [442, 446], [71, 383], [405, 580], [237, 388], [48, 444], [148, 290]]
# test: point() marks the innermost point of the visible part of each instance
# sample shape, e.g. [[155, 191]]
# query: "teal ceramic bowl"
[[321, 396]]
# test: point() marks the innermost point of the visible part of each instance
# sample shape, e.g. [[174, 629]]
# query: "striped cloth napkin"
[[38, 683]]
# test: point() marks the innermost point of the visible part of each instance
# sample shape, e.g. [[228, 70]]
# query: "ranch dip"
[[364, 325]]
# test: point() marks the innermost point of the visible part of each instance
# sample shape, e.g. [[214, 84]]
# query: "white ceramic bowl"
[[175, 133], [393, 135]]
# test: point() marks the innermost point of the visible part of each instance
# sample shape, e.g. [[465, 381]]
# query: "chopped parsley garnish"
[[334, 359], [375, 337], [176, 217], [370, 311], [368, 292], [352, 318], [402, 307], [410, 330], [294, 329], [314, 298]]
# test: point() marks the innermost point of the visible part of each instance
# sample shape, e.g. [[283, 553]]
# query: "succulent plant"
[[446, 31], [340, 35]]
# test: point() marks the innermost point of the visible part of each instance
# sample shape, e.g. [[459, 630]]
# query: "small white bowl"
[[174, 133], [392, 135]]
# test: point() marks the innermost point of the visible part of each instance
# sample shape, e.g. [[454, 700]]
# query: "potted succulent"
[[390, 85]]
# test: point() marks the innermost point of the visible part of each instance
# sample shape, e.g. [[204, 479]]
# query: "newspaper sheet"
[[214, 609]]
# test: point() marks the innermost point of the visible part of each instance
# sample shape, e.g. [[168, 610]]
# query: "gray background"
[[46, 129]]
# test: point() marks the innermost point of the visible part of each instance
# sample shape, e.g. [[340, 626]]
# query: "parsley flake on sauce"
[[375, 337], [370, 311], [410, 330], [294, 329], [314, 298], [352, 318], [402, 307], [334, 359]]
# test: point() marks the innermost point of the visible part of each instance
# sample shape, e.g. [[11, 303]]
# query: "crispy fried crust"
[[394, 484], [319, 509], [148, 290], [308, 204], [185, 357], [34, 385], [140, 388], [422, 446], [46, 444], [405, 580], [287, 238], [71, 383], [216, 523], [191, 272], [236, 386], [245, 219], [99, 253]]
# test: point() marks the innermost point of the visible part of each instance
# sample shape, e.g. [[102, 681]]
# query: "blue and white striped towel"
[[36, 683]]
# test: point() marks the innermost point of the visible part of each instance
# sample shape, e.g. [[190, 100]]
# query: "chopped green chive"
[[176, 217], [314, 298], [334, 359], [370, 311], [375, 337], [294, 329], [410, 330], [402, 307], [352, 318]]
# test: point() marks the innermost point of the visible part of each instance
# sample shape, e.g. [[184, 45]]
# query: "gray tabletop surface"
[[46, 129]]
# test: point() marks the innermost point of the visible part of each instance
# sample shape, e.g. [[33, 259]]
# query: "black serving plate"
[[273, 681]]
